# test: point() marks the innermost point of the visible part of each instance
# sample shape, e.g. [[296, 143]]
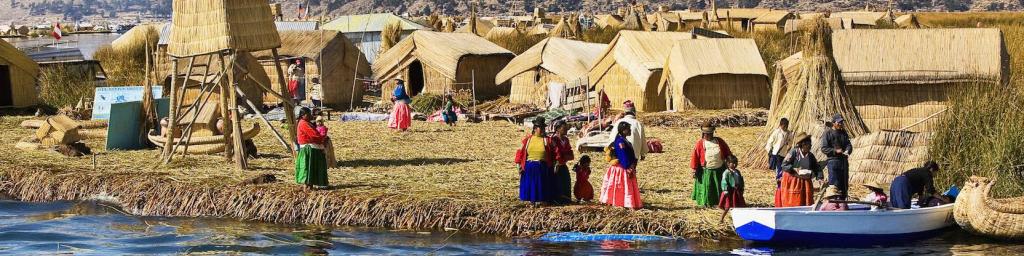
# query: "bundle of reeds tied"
[[390, 35], [814, 98], [513, 39]]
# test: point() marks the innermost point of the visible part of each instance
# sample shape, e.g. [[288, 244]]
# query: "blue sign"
[[106, 96]]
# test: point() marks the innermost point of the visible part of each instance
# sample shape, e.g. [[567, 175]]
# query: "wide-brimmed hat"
[[707, 127], [831, 191], [873, 184], [539, 122], [801, 137]]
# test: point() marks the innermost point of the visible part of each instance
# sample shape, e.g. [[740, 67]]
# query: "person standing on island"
[[798, 169], [448, 112], [297, 81], [777, 146], [401, 116], [563, 154], [637, 138], [619, 187], [311, 162], [708, 164], [534, 160], [836, 145]]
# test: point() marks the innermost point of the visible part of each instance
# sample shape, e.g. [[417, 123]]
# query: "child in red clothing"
[[583, 190]]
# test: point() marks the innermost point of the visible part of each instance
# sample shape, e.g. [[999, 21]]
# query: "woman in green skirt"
[[311, 162], [708, 163]]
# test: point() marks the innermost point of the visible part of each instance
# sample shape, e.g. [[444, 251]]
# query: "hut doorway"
[[415, 79], [6, 86]]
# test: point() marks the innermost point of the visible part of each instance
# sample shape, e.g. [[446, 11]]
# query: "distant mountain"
[[15, 10]]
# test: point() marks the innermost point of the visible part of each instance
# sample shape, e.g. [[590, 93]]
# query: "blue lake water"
[[89, 228]]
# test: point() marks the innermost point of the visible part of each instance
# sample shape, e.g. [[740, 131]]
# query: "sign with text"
[[105, 96]]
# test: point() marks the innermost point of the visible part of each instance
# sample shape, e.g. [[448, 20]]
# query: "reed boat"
[[857, 226], [980, 214]]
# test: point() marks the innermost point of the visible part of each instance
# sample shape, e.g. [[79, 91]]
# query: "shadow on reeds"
[[400, 162]]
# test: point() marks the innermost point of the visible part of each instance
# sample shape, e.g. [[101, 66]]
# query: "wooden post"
[[225, 115], [289, 111], [172, 126], [236, 123], [264, 119], [472, 77], [174, 98], [204, 86], [147, 113]]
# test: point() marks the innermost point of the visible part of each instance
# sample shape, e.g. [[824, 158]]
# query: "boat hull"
[[802, 226]]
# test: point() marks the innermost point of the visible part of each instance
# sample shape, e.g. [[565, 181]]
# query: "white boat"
[[857, 226]]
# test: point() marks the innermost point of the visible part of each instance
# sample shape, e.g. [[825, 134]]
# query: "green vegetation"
[[64, 85]]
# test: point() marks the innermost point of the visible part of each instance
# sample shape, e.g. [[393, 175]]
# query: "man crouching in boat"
[[915, 181]]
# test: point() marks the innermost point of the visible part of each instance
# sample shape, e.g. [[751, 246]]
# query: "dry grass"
[[427, 178], [63, 85], [125, 64]]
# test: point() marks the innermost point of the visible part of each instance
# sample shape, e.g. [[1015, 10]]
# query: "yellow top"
[[535, 149]]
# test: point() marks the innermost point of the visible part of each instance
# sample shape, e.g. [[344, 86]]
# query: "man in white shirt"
[[778, 146], [637, 137]]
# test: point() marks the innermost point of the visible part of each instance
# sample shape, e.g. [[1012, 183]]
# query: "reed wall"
[[23, 86], [531, 87], [620, 87], [895, 106], [723, 91]]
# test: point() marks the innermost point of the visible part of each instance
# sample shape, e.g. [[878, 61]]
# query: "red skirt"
[[583, 190], [401, 116], [733, 199], [794, 191], [620, 189]]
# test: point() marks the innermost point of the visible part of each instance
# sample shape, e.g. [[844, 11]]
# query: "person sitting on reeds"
[[732, 186], [311, 162], [917, 181], [602, 119], [563, 154], [877, 195], [619, 187], [708, 163], [833, 200], [583, 190], [535, 170], [798, 169]]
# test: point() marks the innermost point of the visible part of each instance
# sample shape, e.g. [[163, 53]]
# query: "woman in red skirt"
[[796, 187], [619, 187], [401, 116]]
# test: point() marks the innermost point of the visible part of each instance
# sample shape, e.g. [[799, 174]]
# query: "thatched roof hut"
[[513, 39], [552, 60], [329, 58], [136, 37], [715, 74], [438, 62], [608, 20], [907, 21], [773, 20], [482, 27], [898, 78], [203, 27], [666, 21], [366, 30], [18, 75], [631, 66], [866, 19]]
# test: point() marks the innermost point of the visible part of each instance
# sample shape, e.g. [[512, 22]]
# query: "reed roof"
[[608, 20], [136, 36], [864, 18], [639, 52], [907, 21], [692, 58], [18, 59], [439, 50], [741, 13], [563, 57], [374, 22], [689, 16], [876, 56], [482, 27], [774, 16], [203, 27], [321, 44]]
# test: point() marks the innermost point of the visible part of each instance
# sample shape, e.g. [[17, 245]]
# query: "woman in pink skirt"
[[401, 117], [619, 187]]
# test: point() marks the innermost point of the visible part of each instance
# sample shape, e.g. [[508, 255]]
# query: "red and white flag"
[[56, 31]]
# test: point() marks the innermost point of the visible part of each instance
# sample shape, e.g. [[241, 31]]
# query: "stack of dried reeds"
[[817, 94], [390, 35], [881, 156], [513, 39]]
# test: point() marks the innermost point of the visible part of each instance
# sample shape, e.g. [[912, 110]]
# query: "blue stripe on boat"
[[758, 232], [561, 237]]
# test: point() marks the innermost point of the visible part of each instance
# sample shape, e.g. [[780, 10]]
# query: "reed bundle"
[[64, 85], [390, 35], [124, 60], [513, 39]]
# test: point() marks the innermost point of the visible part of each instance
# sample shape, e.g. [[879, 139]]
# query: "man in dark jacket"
[[836, 146], [917, 181]]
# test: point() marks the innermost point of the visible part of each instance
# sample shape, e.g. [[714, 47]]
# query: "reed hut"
[[329, 58], [365, 30], [907, 21], [631, 67], [554, 60], [665, 21], [738, 18], [438, 62], [513, 39], [18, 75], [608, 20], [715, 74], [479, 27], [690, 19], [867, 19], [899, 79], [773, 20], [135, 39]]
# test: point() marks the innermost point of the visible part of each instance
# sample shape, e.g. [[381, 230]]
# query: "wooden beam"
[[236, 122], [224, 113], [265, 121], [172, 113], [289, 112]]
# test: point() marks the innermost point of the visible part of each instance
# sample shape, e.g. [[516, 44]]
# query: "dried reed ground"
[[429, 178]]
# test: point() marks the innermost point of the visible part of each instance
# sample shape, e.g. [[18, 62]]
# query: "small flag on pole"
[[56, 31]]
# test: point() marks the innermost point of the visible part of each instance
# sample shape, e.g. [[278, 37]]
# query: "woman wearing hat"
[[563, 154], [798, 169], [877, 195], [401, 116], [534, 159], [708, 163], [311, 162], [619, 187]]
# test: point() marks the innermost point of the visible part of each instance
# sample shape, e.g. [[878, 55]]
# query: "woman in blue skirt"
[[535, 172]]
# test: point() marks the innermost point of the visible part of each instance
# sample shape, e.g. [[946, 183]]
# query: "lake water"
[[86, 43], [91, 228]]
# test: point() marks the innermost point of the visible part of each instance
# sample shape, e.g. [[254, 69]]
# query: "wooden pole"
[[172, 126], [147, 113], [264, 119], [204, 86], [289, 111], [472, 77], [169, 134], [225, 115], [236, 123]]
